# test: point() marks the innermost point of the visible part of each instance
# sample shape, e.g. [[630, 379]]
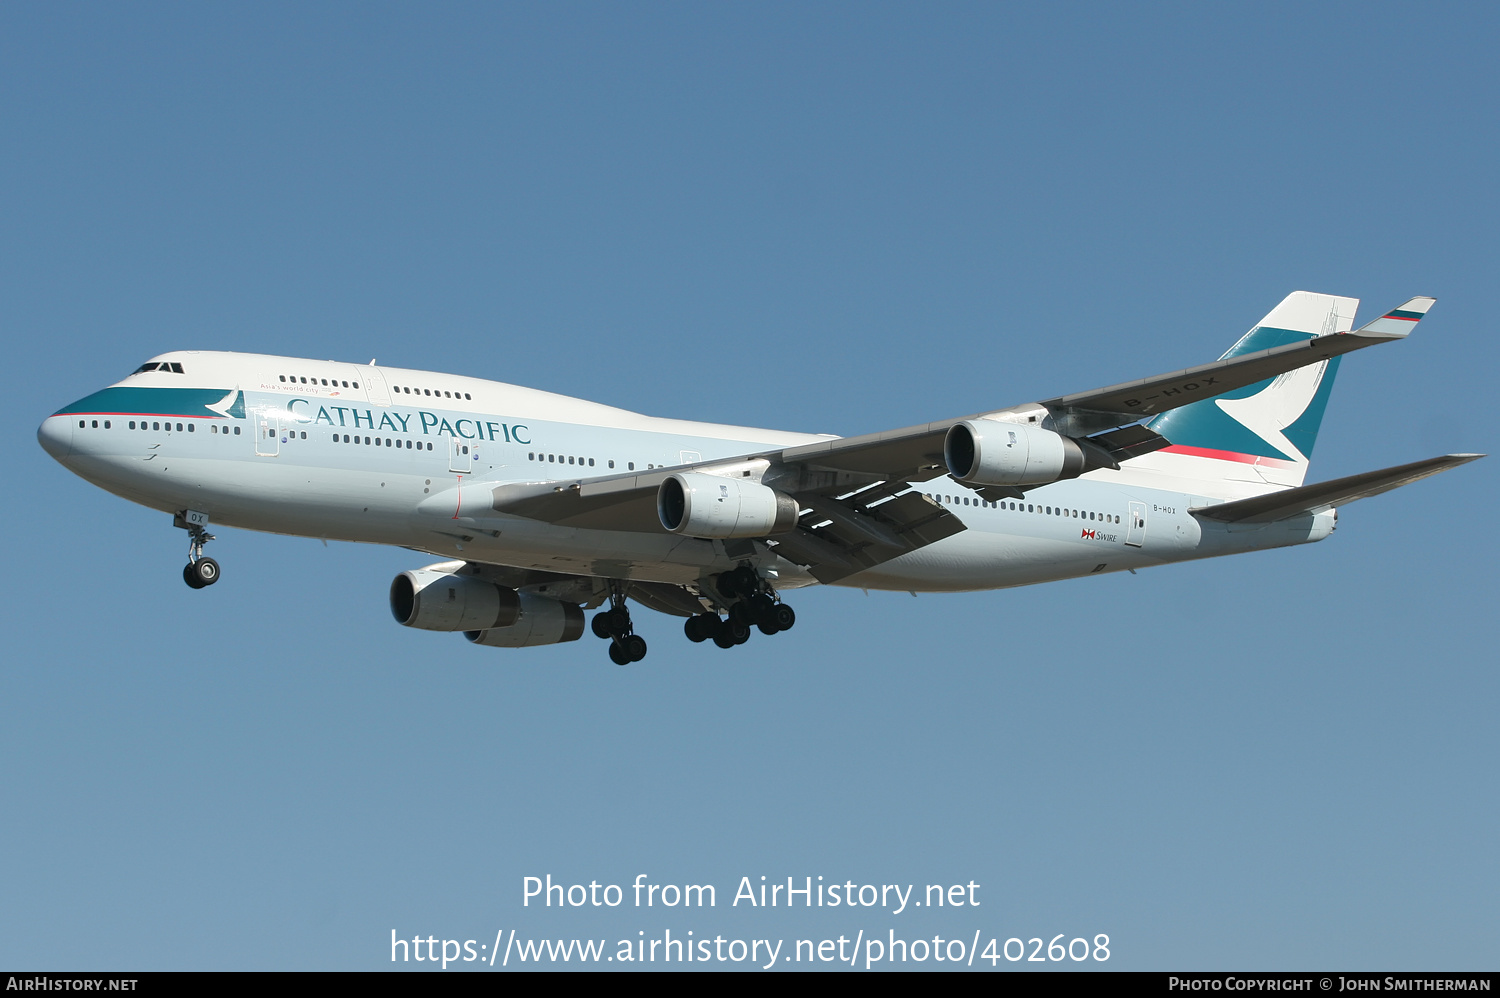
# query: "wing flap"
[[839, 538], [1307, 499]]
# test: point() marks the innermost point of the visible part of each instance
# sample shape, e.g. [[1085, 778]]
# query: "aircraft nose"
[[56, 436]]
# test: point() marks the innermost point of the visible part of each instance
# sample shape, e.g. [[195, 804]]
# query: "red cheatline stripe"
[[1229, 455]]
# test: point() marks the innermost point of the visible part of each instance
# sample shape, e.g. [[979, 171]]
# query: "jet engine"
[[990, 452], [441, 601], [542, 621], [700, 505]]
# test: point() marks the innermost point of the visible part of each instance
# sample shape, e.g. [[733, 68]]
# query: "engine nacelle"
[[441, 601], [542, 621], [990, 452], [710, 506]]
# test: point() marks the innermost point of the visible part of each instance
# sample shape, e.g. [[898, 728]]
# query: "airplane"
[[543, 506]]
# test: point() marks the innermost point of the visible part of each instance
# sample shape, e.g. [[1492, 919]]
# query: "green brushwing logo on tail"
[[1206, 425]]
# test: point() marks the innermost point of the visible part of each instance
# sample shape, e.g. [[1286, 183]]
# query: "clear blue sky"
[[831, 218]]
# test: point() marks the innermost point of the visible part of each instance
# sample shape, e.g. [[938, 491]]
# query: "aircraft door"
[[375, 387], [461, 455], [267, 433], [1135, 535]]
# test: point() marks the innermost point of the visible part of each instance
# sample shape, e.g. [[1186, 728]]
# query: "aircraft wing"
[[1307, 499], [915, 453], [837, 534], [850, 489]]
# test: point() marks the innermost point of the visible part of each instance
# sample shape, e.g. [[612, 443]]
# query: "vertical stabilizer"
[[1263, 433]]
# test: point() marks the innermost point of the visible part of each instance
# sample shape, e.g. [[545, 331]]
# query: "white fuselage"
[[410, 458]]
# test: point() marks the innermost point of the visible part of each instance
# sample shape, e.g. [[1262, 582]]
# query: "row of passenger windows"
[[1025, 507], [159, 426], [430, 391], [162, 366], [381, 442], [569, 459], [294, 379]]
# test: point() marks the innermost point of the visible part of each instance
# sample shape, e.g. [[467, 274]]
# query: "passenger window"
[[236, 431], [154, 426], [192, 427], [283, 377]]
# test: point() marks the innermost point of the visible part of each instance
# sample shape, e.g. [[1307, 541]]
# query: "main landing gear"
[[199, 571], [755, 605], [625, 646]]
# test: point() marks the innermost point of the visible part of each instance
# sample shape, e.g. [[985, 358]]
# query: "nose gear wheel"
[[199, 572]]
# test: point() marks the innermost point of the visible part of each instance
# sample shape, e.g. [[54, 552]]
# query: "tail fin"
[[1264, 433]]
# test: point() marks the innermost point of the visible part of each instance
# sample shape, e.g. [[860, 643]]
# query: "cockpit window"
[[166, 368], [146, 367]]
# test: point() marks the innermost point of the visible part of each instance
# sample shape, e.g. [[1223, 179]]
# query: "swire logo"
[[1089, 534]]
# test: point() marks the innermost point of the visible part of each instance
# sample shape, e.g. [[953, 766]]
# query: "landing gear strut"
[[625, 646], [754, 605], [199, 571]]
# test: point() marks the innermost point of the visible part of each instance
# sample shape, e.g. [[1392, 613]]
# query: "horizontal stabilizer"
[[1306, 499]]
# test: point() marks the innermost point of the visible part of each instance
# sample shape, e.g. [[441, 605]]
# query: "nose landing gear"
[[199, 571], [614, 624]]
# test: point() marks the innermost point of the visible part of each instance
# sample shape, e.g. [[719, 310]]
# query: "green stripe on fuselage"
[[192, 402]]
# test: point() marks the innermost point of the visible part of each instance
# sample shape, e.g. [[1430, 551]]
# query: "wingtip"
[[1398, 322]]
